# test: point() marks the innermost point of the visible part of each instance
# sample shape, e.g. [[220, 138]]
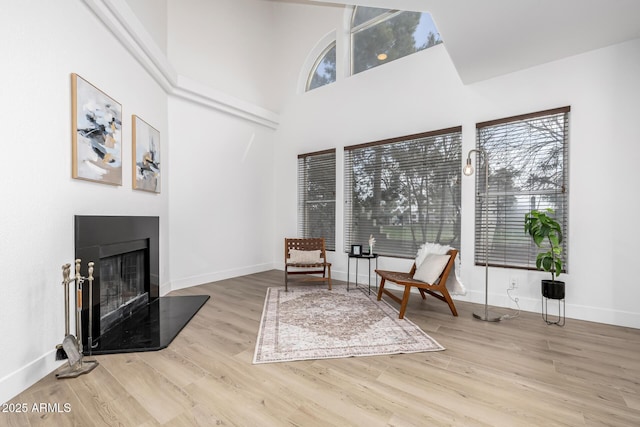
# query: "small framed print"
[[146, 152], [356, 250]]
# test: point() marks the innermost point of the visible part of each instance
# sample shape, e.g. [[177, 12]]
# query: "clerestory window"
[[379, 35], [324, 69]]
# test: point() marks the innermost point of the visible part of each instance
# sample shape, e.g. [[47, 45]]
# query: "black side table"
[[358, 258]]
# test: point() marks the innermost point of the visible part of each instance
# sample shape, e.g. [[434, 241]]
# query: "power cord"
[[515, 300]]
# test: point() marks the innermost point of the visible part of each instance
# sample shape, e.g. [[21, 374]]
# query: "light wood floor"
[[517, 372]]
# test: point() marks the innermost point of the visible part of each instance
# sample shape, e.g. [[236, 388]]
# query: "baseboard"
[[611, 317], [572, 311], [216, 276], [23, 378], [507, 306]]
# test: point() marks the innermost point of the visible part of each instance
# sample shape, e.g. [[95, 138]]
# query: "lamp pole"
[[468, 170]]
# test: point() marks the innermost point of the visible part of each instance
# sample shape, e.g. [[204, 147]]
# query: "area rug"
[[310, 322]]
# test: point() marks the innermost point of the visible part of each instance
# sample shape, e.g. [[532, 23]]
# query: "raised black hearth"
[[128, 313]]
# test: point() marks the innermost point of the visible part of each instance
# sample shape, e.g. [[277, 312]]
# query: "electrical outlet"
[[513, 282]]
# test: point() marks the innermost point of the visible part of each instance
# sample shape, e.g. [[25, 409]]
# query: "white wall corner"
[[127, 28], [193, 91], [165, 288], [123, 23], [188, 282]]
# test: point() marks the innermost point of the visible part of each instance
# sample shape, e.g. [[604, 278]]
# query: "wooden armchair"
[[437, 289], [306, 256]]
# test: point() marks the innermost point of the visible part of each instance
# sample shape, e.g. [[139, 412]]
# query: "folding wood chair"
[[437, 289], [306, 256]]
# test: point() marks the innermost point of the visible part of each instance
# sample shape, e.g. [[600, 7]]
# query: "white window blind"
[[528, 159], [404, 191], [317, 196]]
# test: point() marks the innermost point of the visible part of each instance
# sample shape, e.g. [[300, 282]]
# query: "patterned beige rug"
[[310, 322]]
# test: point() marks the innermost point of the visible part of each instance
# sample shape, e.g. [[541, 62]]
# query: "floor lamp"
[[486, 315]]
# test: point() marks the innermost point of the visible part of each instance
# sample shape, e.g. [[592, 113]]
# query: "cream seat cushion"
[[304, 257]]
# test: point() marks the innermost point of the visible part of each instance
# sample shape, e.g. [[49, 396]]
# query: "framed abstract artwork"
[[96, 134], [146, 155]]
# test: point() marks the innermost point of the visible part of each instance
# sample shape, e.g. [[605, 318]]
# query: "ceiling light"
[[382, 56]]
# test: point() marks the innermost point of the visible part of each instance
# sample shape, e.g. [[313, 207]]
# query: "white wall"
[[222, 206], [601, 87], [422, 92], [42, 44], [153, 15], [225, 44]]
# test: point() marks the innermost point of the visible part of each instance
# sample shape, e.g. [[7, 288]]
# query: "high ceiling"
[[488, 38]]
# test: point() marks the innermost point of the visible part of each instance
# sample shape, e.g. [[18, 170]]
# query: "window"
[[404, 191], [528, 158], [317, 196], [324, 70], [382, 35]]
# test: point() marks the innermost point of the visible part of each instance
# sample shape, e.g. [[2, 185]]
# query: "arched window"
[[379, 36], [324, 69]]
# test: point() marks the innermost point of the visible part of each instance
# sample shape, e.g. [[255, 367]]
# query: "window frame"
[[401, 248], [510, 250], [372, 22], [316, 64], [321, 159]]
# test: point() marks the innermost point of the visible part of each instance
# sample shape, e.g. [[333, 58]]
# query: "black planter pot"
[[553, 289]]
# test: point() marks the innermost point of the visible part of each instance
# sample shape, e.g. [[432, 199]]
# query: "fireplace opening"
[[122, 287]]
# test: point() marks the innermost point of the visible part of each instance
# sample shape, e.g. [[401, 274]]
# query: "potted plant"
[[546, 232]]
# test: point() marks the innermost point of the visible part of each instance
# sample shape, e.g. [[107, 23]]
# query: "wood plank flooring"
[[518, 372]]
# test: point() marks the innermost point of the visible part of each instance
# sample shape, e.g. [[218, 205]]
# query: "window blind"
[[528, 158], [404, 192], [317, 196]]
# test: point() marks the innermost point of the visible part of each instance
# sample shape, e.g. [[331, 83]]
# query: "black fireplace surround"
[[148, 323]]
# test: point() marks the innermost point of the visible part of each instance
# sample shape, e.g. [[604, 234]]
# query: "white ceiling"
[[487, 38]]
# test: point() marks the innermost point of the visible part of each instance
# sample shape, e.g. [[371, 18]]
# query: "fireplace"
[[128, 313]]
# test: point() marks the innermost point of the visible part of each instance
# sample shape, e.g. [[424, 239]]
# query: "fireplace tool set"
[[71, 347]]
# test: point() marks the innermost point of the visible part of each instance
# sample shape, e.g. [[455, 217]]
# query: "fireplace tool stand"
[[72, 346]]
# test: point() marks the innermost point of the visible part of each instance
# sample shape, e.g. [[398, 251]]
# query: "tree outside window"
[[528, 158], [404, 192], [324, 70], [379, 36]]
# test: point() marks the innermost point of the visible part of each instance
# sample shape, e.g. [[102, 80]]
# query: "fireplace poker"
[[90, 328], [66, 270], [79, 283]]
